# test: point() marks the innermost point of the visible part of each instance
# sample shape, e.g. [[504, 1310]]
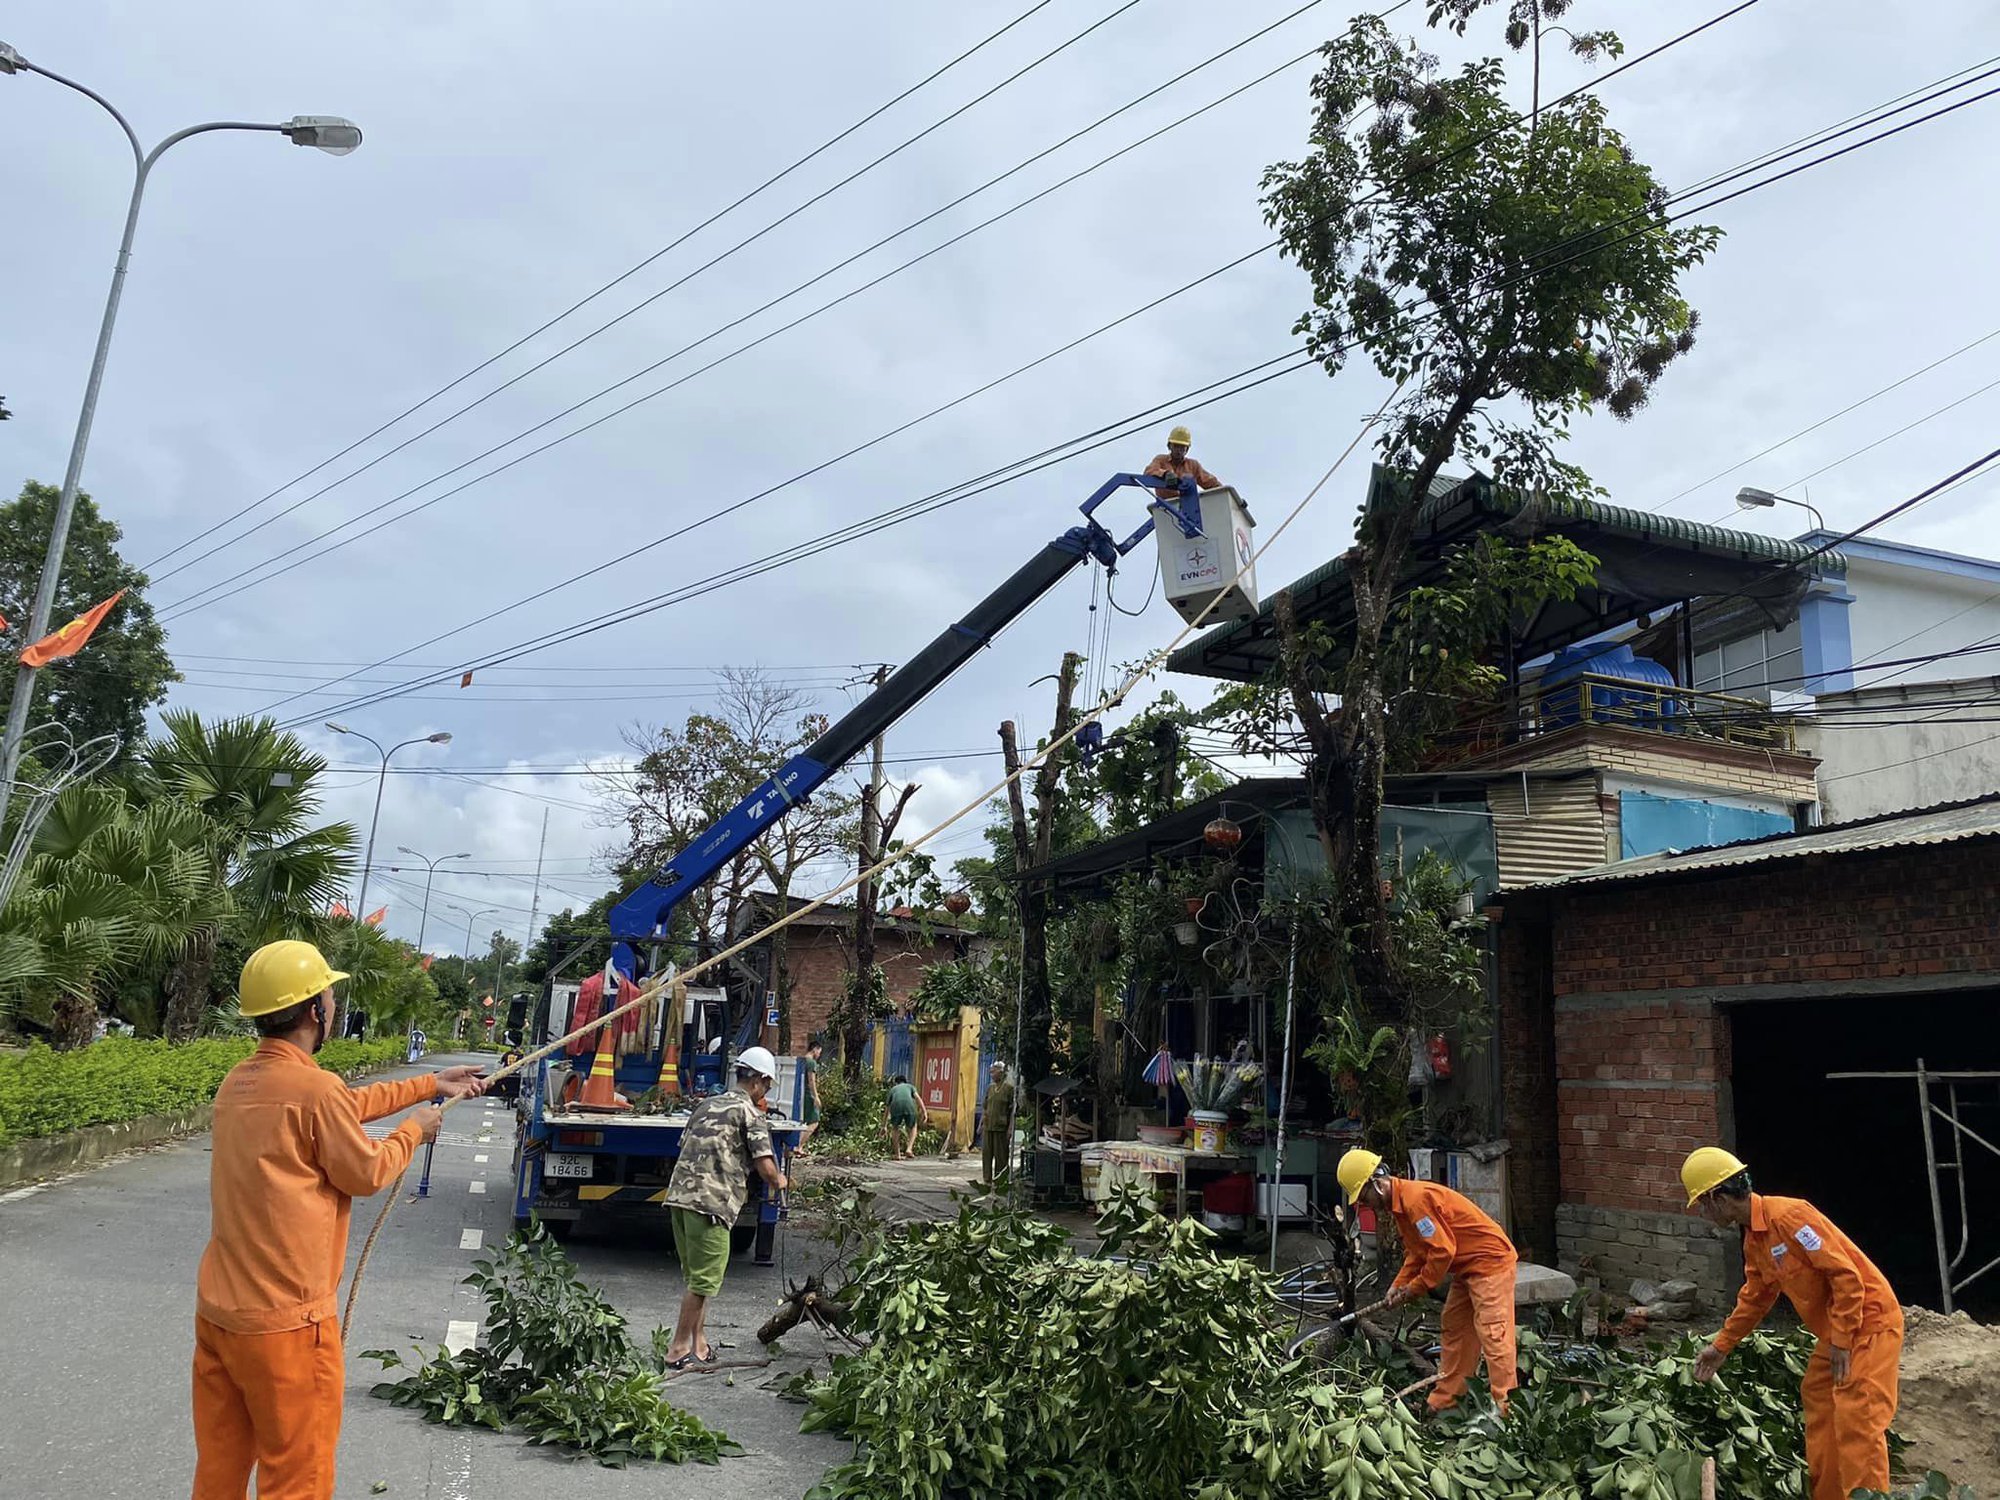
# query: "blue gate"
[[899, 1050]]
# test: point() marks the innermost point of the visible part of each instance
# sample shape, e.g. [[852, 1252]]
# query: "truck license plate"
[[567, 1164]]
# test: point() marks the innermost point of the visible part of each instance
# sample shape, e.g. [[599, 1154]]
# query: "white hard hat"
[[757, 1060]]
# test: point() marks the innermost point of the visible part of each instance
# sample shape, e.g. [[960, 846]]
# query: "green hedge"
[[45, 1093]]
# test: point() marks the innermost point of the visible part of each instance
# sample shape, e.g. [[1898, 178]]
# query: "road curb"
[[40, 1157]]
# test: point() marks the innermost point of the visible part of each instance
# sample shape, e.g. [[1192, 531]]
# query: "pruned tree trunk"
[[72, 1022], [186, 986], [1033, 848]]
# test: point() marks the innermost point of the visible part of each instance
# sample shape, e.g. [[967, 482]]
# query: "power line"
[[832, 539], [220, 589], [630, 271], [647, 302]]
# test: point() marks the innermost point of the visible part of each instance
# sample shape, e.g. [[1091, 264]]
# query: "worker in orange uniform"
[[1446, 1232], [1176, 465], [1849, 1392], [288, 1159]]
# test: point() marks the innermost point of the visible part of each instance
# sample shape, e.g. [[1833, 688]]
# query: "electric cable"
[[1540, 269], [196, 600], [617, 280]]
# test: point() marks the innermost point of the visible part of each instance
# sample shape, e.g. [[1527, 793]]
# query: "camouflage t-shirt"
[[724, 1137]]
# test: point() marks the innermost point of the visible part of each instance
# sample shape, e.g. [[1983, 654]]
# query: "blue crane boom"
[[644, 915]]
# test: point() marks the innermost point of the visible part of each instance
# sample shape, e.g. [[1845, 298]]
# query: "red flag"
[[69, 640], [465, 681], [427, 963], [374, 918], [340, 910]]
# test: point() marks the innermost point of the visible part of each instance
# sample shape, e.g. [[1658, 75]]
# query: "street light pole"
[[470, 918], [1752, 498], [430, 865], [442, 737], [326, 132]]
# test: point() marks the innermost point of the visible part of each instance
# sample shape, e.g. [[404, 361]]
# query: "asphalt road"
[[96, 1337]]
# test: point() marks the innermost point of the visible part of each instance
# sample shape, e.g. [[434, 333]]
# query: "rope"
[[893, 857]]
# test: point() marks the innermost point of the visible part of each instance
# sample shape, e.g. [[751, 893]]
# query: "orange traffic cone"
[[599, 1095]]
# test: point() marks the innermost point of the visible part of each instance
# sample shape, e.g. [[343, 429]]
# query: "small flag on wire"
[[340, 910], [374, 918], [427, 963], [1160, 1071], [465, 681]]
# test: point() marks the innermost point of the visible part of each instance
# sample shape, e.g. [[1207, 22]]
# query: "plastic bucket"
[[1210, 1132]]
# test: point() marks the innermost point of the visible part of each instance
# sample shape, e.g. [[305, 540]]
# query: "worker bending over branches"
[[1446, 1233], [727, 1138], [289, 1158], [1849, 1391]]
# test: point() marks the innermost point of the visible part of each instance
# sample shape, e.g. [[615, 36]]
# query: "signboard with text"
[[935, 1067]]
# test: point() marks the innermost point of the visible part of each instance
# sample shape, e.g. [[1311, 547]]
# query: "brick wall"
[[1630, 986], [817, 960]]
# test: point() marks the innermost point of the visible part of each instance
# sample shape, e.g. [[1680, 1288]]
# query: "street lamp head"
[[442, 737], [1750, 498], [466, 855], [329, 133], [10, 60], [337, 727], [406, 849]]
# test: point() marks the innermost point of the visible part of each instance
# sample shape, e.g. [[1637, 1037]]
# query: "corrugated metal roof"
[[1453, 492], [1945, 824]]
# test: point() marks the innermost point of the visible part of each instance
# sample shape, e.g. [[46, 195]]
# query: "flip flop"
[[704, 1359], [682, 1363]]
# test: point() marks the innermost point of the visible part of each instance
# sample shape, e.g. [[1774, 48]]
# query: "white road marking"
[[486, 1140], [471, 1239], [460, 1336], [480, 1156], [479, 1187], [458, 1471], [26, 1192]]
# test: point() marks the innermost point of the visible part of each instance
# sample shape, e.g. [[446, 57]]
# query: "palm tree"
[[111, 888], [252, 784]]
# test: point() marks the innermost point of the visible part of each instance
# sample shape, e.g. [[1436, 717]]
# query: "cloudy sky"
[[283, 304]]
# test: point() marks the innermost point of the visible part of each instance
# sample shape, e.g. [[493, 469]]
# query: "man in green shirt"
[[904, 1117], [996, 1144]]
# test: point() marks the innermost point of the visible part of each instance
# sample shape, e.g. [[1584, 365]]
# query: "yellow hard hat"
[[283, 974], [1355, 1168], [1706, 1169], [1182, 436]]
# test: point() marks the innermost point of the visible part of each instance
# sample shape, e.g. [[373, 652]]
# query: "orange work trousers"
[[1847, 1426], [269, 1402], [1478, 1319]]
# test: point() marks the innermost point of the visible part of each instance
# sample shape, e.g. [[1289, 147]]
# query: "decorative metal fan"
[[1240, 944]]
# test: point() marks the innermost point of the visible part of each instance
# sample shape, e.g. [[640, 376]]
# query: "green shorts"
[[904, 1116], [703, 1248]]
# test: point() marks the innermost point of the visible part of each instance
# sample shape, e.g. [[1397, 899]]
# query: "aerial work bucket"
[[1196, 569]]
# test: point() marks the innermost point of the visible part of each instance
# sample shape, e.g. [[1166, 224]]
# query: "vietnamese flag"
[[427, 963], [69, 640], [374, 918], [340, 910]]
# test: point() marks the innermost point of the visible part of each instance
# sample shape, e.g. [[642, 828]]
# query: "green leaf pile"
[[1005, 1363], [558, 1366]]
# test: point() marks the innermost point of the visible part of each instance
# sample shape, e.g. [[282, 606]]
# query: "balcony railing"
[[1616, 702]]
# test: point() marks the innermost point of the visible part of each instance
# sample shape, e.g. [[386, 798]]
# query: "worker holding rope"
[[1849, 1392], [289, 1157], [1447, 1233]]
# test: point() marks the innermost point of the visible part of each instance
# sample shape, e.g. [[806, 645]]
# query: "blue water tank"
[[1595, 659]]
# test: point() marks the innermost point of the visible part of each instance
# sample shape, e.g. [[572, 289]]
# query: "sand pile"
[[1950, 1407]]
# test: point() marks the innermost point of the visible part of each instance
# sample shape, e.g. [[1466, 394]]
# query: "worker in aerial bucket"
[[1176, 465], [1446, 1232], [1849, 1391], [288, 1158]]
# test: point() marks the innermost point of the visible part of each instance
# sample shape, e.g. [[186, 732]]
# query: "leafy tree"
[[113, 885], [109, 685], [1506, 272], [255, 787]]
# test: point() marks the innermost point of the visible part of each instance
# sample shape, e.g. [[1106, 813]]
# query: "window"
[[1751, 665]]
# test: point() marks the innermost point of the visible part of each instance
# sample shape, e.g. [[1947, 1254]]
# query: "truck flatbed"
[[625, 1120]]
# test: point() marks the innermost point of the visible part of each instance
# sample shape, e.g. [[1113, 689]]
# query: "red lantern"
[[958, 903], [1223, 835], [1439, 1051]]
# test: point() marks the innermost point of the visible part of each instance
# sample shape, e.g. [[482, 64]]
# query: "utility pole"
[[854, 1034], [535, 902]]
